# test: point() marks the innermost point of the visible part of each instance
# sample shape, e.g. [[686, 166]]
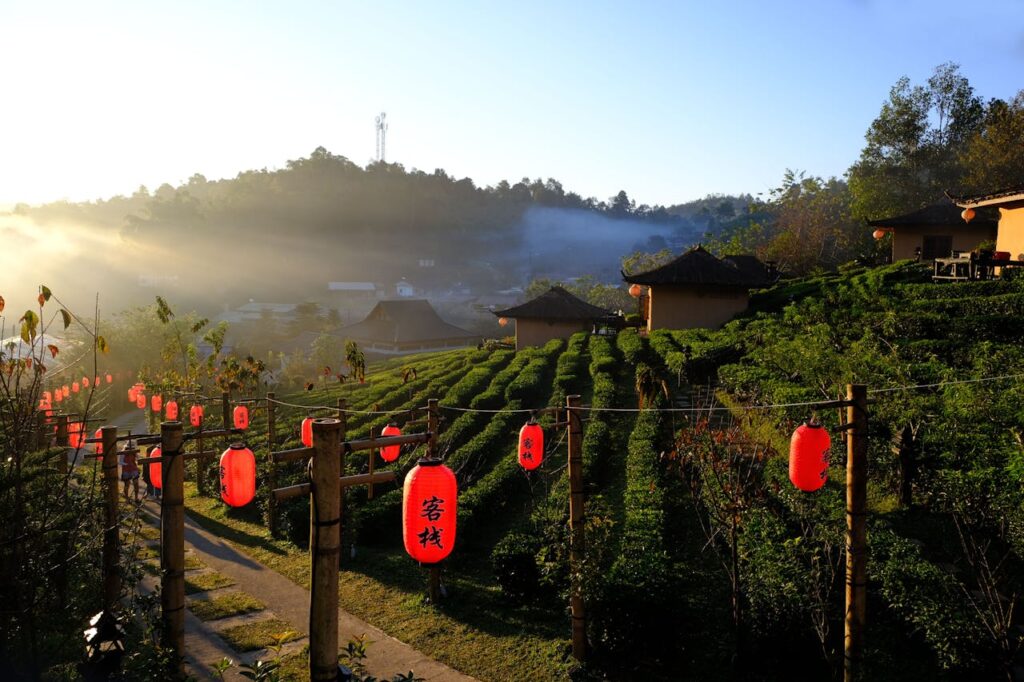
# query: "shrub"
[[514, 563]]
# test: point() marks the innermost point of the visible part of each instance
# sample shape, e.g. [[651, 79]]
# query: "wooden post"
[[856, 537], [172, 542], [201, 461], [434, 579], [111, 538], [325, 546], [342, 406], [42, 431], [272, 470], [225, 401], [577, 540], [62, 442]]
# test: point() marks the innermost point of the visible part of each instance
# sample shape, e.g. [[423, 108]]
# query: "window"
[[940, 246]]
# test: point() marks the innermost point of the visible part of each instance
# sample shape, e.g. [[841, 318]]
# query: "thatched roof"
[[698, 267], [943, 214], [556, 304], [404, 321]]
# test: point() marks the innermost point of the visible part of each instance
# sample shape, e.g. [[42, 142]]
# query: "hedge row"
[[466, 388], [631, 346]]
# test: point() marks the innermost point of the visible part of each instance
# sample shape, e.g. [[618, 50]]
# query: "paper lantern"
[[878, 234], [96, 380], [156, 403], [808, 457], [58, 396], [171, 410], [389, 453], [65, 390], [237, 476], [430, 501], [74, 387], [306, 432], [195, 416], [967, 215], [635, 290], [132, 392], [140, 400], [75, 431], [85, 382], [241, 417], [531, 446], [502, 321], [47, 396], [110, 378], [156, 471], [99, 445]]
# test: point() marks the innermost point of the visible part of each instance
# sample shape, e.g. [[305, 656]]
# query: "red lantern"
[[306, 432], [808, 457], [878, 234], [967, 215], [74, 387], [96, 380], [635, 290], [531, 446], [389, 453], [99, 445], [85, 382], [156, 403], [65, 390], [156, 471], [241, 415], [47, 396], [503, 321], [140, 400], [58, 396], [171, 410], [195, 416], [110, 378], [131, 394], [75, 437], [430, 502], [237, 476]]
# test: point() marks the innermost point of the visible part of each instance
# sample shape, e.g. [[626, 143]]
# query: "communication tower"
[[382, 131]]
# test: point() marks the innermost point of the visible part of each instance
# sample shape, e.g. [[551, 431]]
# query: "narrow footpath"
[[218, 574]]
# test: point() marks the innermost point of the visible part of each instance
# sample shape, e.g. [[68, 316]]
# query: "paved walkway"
[[283, 599]]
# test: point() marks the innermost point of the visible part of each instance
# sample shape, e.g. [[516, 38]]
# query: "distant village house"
[[936, 231], [1010, 232], [406, 326], [555, 314]]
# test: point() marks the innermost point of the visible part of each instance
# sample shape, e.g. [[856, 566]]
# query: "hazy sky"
[[670, 101]]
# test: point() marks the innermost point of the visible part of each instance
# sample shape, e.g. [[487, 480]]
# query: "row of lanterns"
[[237, 473]]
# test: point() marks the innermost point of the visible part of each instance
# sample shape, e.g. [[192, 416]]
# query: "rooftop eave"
[[987, 200]]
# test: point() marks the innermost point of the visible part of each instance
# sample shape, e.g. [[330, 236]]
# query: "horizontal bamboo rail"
[[291, 491]]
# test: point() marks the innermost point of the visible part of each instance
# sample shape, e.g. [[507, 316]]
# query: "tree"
[[993, 157], [621, 205]]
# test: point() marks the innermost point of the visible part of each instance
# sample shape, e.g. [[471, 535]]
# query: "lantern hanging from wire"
[[140, 400], [85, 382], [389, 453], [430, 500], [171, 410], [237, 475], [98, 444], [110, 378], [58, 396], [241, 417], [195, 416], [503, 321], [306, 432], [531, 445], [75, 387], [131, 394], [75, 434], [967, 215], [96, 380], [635, 290], [808, 456], [878, 234], [156, 471], [156, 403], [66, 391]]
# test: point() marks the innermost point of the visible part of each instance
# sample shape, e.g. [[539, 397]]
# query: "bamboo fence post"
[[41, 434], [325, 546], [225, 413], [856, 530], [434, 581], [272, 471], [577, 540], [342, 406], [172, 542], [111, 538], [62, 442], [200, 462]]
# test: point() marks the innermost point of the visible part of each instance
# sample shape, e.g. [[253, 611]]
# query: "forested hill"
[[339, 221]]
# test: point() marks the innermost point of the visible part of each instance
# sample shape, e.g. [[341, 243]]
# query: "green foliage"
[[514, 563]]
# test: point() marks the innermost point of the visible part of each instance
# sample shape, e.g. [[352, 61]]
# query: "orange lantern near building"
[[878, 234], [430, 501], [156, 471], [808, 456], [241, 417], [156, 403], [389, 453], [503, 321], [195, 416], [171, 410], [306, 432], [237, 475], [635, 290], [531, 445], [967, 215]]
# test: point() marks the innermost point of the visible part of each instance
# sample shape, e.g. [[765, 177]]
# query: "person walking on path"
[[129, 470]]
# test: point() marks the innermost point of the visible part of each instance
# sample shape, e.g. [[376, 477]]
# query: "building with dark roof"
[[1010, 202], [406, 326], [555, 314], [935, 231], [697, 289]]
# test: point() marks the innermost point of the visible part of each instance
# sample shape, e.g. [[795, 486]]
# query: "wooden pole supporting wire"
[[434, 581], [62, 442], [172, 542], [325, 546], [856, 529], [342, 405], [272, 470], [577, 538], [111, 521]]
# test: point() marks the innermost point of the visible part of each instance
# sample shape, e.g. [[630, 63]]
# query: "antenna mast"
[[382, 130]]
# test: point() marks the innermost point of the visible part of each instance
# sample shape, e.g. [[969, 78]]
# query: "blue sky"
[[669, 101]]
